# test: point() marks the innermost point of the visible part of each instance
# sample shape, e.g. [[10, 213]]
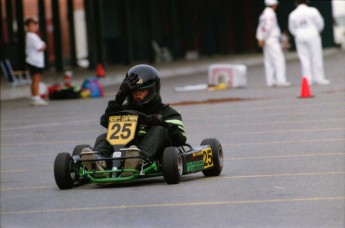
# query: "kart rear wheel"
[[64, 172], [78, 148], [172, 165], [217, 157]]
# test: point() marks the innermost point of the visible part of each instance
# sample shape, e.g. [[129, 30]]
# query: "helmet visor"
[[137, 99]]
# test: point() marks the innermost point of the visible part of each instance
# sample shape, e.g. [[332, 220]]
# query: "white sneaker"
[[39, 102], [323, 82], [283, 84]]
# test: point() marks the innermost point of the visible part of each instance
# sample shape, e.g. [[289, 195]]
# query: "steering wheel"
[[142, 116]]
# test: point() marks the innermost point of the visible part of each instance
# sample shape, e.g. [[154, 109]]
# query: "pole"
[[58, 50], [73, 52], [21, 34], [43, 27]]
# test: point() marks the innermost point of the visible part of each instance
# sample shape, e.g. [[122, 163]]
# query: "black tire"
[[172, 165], [64, 171], [78, 148], [217, 157]]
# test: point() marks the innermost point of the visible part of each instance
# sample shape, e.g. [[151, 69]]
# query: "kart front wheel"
[[64, 171], [172, 165], [216, 157]]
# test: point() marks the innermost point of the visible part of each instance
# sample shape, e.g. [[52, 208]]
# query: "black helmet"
[[148, 79]]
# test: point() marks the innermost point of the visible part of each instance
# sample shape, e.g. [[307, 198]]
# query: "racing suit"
[[152, 139], [306, 23], [268, 35]]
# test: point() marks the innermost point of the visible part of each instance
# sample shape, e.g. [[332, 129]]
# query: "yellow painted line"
[[286, 131], [213, 178], [298, 121], [214, 125], [28, 155], [264, 106], [24, 170], [274, 131], [263, 123], [43, 143], [239, 158], [268, 114], [287, 156], [191, 204], [231, 144], [45, 125], [285, 142], [290, 122], [13, 171], [202, 126], [280, 175], [81, 131], [27, 188]]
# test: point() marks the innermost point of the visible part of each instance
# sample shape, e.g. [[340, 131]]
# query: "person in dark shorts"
[[35, 59]]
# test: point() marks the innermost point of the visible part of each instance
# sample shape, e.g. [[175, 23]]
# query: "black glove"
[[154, 120], [128, 84]]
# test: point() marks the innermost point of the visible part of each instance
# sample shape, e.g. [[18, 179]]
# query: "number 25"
[[125, 132], [208, 157]]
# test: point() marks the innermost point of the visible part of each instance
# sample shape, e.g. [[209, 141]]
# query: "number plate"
[[208, 158], [121, 129]]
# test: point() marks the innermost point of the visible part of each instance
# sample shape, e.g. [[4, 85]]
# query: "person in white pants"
[[268, 36], [306, 24]]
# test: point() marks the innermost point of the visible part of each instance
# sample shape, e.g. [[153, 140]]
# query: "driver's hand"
[[127, 85], [154, 120]]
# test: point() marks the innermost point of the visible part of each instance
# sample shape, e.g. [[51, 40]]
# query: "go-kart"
[[123, 128]]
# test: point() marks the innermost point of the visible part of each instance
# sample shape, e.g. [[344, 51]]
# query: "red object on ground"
[[100, 71], [305, 90]]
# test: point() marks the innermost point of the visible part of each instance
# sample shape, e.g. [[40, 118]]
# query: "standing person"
[[268, 35], [35, 59], [306, 24]]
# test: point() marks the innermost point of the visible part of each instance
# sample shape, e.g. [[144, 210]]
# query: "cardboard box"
[[234, 76]]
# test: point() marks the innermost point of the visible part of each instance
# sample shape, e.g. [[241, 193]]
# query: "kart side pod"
[[198, 159], [207, 158]]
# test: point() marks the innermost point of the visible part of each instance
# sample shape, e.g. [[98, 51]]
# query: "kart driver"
[[141, 88]]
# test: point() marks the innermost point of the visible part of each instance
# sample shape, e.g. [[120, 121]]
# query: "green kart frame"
[[69, 169]]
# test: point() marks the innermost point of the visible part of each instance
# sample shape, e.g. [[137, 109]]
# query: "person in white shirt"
[[268, 35], [306, 24], [34, 50]]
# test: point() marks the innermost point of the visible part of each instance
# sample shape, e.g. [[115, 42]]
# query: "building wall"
[[210, 27], [122, 31]]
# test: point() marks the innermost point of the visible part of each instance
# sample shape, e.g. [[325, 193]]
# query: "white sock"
[[35, 98]]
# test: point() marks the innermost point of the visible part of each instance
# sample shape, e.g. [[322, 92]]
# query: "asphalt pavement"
[[284, 156]]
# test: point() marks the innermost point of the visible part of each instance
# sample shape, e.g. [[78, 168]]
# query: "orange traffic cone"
[[305, 91], [100, 71]]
